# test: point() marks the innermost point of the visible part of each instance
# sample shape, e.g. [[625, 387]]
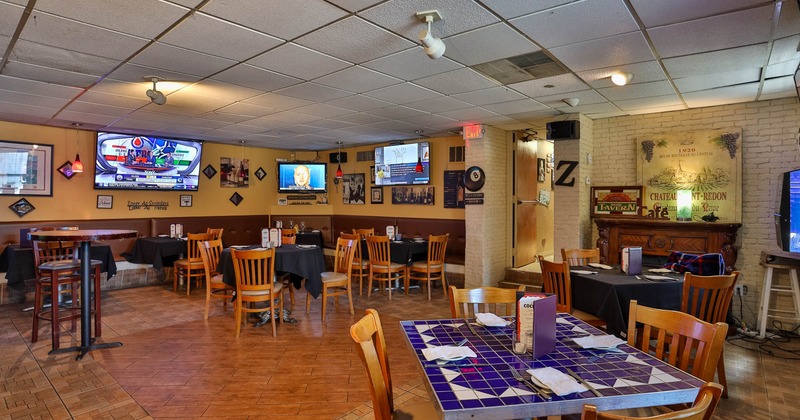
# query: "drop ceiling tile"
[[284, 19], [666, 108], [144, 18], [777, 95], [207, 121], [605, 52], [457, 81], [359, 103], [243, 128], [256, 78], [751, 56], [33, 87], [216, 89], [651, 102], [431, 120], [534, 116], [305, 129], [329, 124], [9, 18], [494, 121], [322, 111], [131, 90], [186, 130], [61, 59], [637, 90], [357, 79], [403, 94], [589, 108], [172, 110], [396, 125], [515, 107], [586, 20], [706, 81], [32, 100], [67, 34], [787, 22], [355, 5], [399, 16], [585, 97], [47, 75], [86, 118], [779, 85], [10, 111], [785, 68], [355, 40], [313, 92], [396, 112], [785, 49], [557, 84], [487, 44], [664, 12], [129, 125], [167, 57], [220, 118], [247, 110], [466, 114], [299, 61], [287, 118], [730, 30], [648, 71], [152, 114], [512, 9], [489, 96], [720, 96], [279, 102], [107, 110], [211, 35], [136, 73], [412, 64], [611, 114], [360, 118], [440, 104]]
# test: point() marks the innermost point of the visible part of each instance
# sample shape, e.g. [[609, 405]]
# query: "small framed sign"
[[616, 201], [376, 195], [186, 201], [105, 201]]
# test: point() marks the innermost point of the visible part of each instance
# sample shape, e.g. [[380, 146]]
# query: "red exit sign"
[[473, 132]]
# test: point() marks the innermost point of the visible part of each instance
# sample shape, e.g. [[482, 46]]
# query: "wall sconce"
[[684, 199]]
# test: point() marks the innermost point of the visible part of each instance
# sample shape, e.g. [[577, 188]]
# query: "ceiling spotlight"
[[434, 47], [573, 102], [621, 79], [155, 96]]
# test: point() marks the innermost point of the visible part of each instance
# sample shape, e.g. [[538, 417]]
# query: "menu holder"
[[536, 320], [264, 238], [390, 232], [274, 238], [631, 260]]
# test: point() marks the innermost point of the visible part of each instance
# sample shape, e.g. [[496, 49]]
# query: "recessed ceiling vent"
[[520, 68]]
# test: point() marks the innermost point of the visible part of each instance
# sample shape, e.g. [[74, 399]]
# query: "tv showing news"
[[133, 162], [397, 164], [787, 220], [300, 177]]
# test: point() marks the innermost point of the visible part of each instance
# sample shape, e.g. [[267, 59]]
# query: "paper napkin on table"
[[654, 277], [598, 341], [306, 246], [490, 320], [598, 265], [660, 270], [559, 382], [584, 272], [447, 352]]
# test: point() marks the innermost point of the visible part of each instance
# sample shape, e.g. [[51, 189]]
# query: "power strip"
[[746, 333]]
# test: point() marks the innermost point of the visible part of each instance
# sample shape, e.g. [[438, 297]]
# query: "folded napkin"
[[558, 382], [654, 277], [306, 246], [598, 341], [490, 320], [598, 265], [447, 353], [660, 270], [584, 272]]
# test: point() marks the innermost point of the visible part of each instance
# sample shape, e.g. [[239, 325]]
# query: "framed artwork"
[[453, 190], [105, 201], [186, 201], [540, 174], [616, 201], [66, 170], [353, 189], [234, 173], [413, 195], [236, 198], [22, 207], [376, 195], [26, 169], [260, 173], [209, 171], [372, 175]]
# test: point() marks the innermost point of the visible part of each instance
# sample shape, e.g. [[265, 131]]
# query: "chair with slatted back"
[[496, 300], [365, 232], [338, 282], [577, 256], [556, 280], [191, 267], [432, 269], [708, 298], [255, 270], [288, 233], [371, 346], [217, 232], [215, 287], [381, 267], [360, 264], [703, 408]]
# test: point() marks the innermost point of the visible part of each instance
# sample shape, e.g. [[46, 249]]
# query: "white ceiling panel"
[[90, 108], [481, 46], [181, 60], [785, 68], [440, 104], [255, 78], [314, 92], [137, 73], [785, 49], [752, 56], [48, 75], [431, 120], [359, 103], [457, 81], [357, 79], [789, 16], [585, 97], [247, 110], [280, 102], [9, 18], [322, 111], [664, 12], [465, 114], [34, 87], [645, 103], [396, 112], [605, 52], [648, 71], [704, 82], [550, 85], [403, 94], [33, 100], [286, 19], [779, 85], [489, 96], [411, 65], [220, 118], [354, 40], [60, 59], [589, 108], [360, 118], [458, 16], [355, 5], [515, 107], [299, 61], [512, 9], [10, 111], [719, 96], [637, 90], [86, 118]]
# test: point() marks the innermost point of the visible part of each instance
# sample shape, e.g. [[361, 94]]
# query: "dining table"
[[486, 387], [607, 293], [160, 251], [19, 263], [85, 237], [405, 251], [302, 261]]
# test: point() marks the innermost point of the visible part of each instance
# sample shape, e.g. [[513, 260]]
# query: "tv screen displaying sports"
[[788, 216], [131, 162], [396, 164], [299, 177]]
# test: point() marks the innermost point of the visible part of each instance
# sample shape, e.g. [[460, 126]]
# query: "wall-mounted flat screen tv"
[[396, 164], [787, 220], [297, 177], [133, 162]]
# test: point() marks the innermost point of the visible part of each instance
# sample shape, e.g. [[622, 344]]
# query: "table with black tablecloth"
[[607, 295], [18, 263], [309, 238], [404, 252], [301, 262], [159, 251]]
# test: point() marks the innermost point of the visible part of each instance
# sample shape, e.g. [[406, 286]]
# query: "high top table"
[[85, 237]]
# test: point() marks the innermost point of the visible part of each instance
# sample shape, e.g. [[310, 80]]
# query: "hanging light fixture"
[[77, 166], [434, 47], [156, 96], [339, 173], [419, 167]]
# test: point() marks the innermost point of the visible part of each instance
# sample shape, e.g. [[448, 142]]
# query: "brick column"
[[573, 228]]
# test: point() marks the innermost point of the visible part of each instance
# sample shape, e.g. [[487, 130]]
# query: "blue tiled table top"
[[484, 387]]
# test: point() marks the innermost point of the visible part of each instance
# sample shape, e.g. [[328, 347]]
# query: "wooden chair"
[[497, 300], [680, 339], [360, 265], [381, 267], [338, 280], [217, 232], [433, 268], [365, 232], [288, 239], [556, 280], [288, 232], [191, 267], [215, 287], [57, 264], [703, 408], [254, 271], [580, 256], [708, 298], [371, 346]]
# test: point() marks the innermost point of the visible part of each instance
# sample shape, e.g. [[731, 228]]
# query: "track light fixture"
[[434, 47], [155, 96], [573, 102], [621, 79]]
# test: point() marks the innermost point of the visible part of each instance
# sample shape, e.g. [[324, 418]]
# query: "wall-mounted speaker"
[[334, 158], [563, 130]]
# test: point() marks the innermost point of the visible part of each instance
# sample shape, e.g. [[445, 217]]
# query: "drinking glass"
[[519, 344]]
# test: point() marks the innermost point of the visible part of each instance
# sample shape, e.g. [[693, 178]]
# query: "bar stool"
[[793, 288]]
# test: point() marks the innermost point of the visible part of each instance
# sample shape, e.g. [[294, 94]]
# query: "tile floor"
[[174, 364]]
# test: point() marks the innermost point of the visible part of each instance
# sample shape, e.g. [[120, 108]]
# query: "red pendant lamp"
[[77, 166], [419, 167], [339, 173]]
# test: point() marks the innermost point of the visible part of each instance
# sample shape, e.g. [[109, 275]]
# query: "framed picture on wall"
[[186, 201], [105, 201], [616, 201], [540, 174], [376, 195], [26, 169]]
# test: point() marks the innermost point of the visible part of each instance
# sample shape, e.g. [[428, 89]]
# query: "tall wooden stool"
[[764, 310]]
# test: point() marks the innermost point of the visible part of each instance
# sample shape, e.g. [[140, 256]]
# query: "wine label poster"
[[707, 163]]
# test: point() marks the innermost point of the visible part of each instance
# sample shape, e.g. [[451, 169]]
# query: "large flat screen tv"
[[298, 177], [131, 162], [787, 220], [396, 164]]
